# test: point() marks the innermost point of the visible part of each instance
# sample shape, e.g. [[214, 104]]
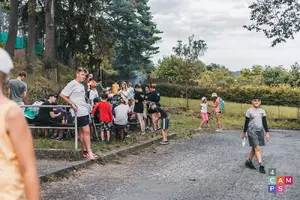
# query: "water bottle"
[[244, 142]]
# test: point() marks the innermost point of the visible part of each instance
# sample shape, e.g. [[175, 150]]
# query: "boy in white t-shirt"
[[203, 113], [93, 94]]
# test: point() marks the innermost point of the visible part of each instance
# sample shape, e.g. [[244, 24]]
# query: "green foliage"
[[189, 53], [251, 76], [280, 95], [277, 19]]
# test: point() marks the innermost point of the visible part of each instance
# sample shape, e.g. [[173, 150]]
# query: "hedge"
[[281, 95]]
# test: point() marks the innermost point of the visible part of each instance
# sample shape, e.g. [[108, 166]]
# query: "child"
[[163, 116], [93, 94], [255, 126], [105, 117], [204, 114]]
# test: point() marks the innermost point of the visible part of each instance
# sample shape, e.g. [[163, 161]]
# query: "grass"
[[69, 143], [184, 122], [232, 118]]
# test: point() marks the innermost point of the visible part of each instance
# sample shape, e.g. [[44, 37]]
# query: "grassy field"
[[184, 122], [232, 118]]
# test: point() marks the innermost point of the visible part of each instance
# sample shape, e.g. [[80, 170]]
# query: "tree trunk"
[[13, 28], [31, 38], [49, 43], [186, 96]]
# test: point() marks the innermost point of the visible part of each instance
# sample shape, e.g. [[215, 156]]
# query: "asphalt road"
[[209, 166]]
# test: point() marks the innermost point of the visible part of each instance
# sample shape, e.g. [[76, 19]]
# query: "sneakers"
[[164, 142], [249, 164], [219, 130], [101, 142], [90, 156], [143, 133], [262, 169], [107, 142]]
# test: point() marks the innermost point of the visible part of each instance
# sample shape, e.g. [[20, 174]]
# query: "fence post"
[[76, 132]]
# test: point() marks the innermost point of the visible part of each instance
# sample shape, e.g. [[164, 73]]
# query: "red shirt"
[[104, 110]]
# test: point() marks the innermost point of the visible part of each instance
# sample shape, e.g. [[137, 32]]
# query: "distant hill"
[[236, 73]]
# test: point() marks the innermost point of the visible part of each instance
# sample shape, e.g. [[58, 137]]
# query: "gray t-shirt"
[[255, 115], [76, 93], [121, 114], [17, 89]]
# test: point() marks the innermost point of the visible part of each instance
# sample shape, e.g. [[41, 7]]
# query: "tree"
[[50, 30], [275, 75], [31, 37], [294, 75], [13, 28], [190, 53], [251, 76], [171, 68], [277, 19]]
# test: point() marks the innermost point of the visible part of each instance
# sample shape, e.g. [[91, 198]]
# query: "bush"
[[281, 95]]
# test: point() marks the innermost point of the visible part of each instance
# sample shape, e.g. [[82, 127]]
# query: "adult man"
[[47, 116], [74, 94], [17, 89], [19, 179]]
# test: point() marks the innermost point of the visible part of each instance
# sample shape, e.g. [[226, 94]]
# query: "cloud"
[[219, 23]]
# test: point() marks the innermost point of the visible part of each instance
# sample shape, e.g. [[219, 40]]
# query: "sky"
[[219, 23]]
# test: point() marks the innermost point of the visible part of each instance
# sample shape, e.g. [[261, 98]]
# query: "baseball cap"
[[6, 62], [214, 95], [203, 98], [256, 97], [52, 95], [152, 104]]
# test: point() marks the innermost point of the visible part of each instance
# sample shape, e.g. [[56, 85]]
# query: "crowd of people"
[[96, 106], [19, 177]]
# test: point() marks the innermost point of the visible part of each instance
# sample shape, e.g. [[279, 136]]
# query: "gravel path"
[[209, 166]]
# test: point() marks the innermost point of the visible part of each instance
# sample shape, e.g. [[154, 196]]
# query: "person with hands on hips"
[[74, 94], [256, 126]]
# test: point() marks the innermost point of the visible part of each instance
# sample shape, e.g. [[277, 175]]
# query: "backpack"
[[32, 112], [222, 104]]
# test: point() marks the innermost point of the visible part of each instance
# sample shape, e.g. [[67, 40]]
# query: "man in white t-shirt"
[[74, 94]]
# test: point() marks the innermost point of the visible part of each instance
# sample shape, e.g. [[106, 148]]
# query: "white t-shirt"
[[203, 108], [76, 93], [93, 94]]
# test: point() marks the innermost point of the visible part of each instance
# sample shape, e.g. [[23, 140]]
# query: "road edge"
[[67, 171]]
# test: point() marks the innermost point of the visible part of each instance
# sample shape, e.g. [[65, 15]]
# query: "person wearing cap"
[[18, 171], [218, 112], [255, 128], [74, 94], [17, 89], [163, 117], [47, 116], [203, 112]]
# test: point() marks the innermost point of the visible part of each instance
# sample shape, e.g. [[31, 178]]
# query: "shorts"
[[204, 117], [83, 121], [164, 124], [105, 126], [256, 138]]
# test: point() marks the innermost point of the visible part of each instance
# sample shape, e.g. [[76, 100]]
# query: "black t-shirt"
[[139, 97], [44, 113], [162, 112], [153, 97]]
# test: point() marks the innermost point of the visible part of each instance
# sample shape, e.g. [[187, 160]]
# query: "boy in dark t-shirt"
[[47, 116], [163, 116]]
